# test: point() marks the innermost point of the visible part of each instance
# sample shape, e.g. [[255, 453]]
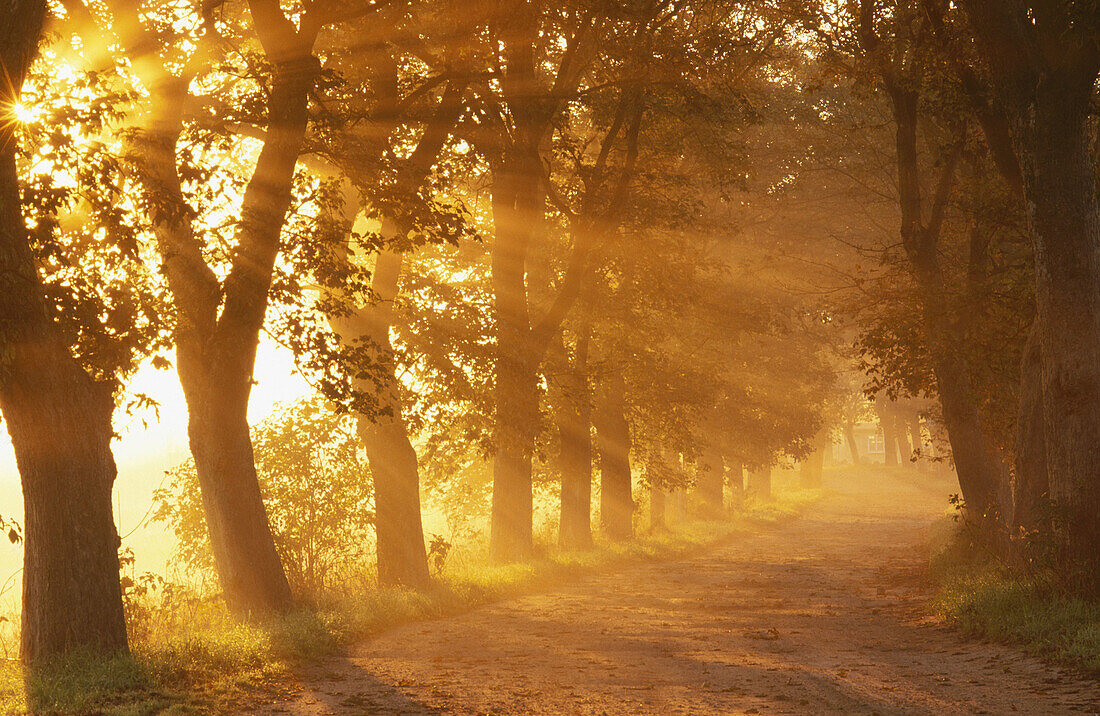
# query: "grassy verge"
[[201, 661], [984, 598]]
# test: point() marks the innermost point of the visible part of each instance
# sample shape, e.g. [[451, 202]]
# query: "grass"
[[985, 598], [197, 660]]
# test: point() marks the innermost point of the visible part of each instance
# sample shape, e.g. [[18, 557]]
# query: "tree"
[[58, 415], [902, 75], [311, 476], [1044, 60], [219, 321]]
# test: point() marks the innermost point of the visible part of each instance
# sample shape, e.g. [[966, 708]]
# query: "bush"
[[318, 494]]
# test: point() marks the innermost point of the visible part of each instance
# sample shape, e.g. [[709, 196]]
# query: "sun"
[[22, 113]]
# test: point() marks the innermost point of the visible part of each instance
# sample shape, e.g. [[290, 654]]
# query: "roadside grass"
[[198, 660], [985, 598]]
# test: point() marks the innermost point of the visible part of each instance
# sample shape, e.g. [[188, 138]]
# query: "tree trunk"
[[759, 484], [516, 205], [60, 427], [1045, 74], [59, 421], [248, 565], [216, 354], [853, 447], [613, 445], [915, 436], [402, 558], [905, 449], [710, 479], [920, 238], [656, 508], [1065, 224], [889, 433], [1030, 487], [216, 358], [573, 416]]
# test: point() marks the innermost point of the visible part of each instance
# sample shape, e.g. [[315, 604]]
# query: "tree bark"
[[905, 449], [402, 558], [759, 484], [517, 203], [248, 565], [573, 418], [1030, 486], [59, 420], [970, 446], [613, 446]]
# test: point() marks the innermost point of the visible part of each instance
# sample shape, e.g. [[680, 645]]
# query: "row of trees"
[[547, 236], [975, 130], [492, 230]]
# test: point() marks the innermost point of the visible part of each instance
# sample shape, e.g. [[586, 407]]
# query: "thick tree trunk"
[[573, 417], [216, 353], [1045, 74], [59, 421], [215, 360], [1030, 486], [60, 426], [710, 479], [613, 444], [759, 483], [402, 558], [249, 569], [1065, 222], [971, 449], [516, 204]]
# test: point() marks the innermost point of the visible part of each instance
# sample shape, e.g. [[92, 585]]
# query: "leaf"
[[14, 537]]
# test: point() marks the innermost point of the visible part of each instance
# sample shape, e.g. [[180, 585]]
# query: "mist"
[[522, 356]]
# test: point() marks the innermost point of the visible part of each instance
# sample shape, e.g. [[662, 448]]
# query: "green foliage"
[[317, 490]]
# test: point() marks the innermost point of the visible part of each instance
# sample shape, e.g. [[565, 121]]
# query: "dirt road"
[[822, 615]]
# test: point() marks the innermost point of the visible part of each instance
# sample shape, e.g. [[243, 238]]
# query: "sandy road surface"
[[822, 615]]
